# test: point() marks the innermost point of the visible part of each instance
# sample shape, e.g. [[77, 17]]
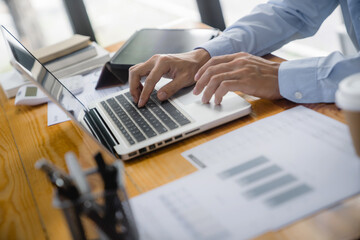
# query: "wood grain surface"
[[26, 210], [19, 218], [26, 139]]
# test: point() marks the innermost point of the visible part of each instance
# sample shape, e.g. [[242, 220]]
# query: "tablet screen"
[[147, 42]]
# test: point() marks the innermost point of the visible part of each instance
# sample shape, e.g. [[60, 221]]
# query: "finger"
[[225, 87], [171, 88], [136, 93], [219, 59], [209, 74], [215, 82], [154, 76], [135, 74], [212, 62]]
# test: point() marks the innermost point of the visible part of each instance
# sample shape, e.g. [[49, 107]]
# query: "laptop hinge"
[[96, 126]]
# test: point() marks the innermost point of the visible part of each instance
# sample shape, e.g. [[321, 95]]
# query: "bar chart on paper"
[[271, 178], [258, 178]]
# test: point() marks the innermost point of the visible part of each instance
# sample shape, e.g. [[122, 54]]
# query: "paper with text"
[[258, 178], [293, 133]]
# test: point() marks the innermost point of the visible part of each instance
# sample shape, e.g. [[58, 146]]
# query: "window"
[[6, 20], [40, 23], [35, 22], [52, 19], [115, 20]]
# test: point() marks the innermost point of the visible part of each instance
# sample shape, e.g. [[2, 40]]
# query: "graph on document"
[[192, 216], [260, 178]]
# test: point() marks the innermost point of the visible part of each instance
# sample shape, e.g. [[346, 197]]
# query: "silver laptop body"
[[115, 120]]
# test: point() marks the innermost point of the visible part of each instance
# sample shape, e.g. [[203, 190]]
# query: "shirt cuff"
[[218, 46], [298, 81]]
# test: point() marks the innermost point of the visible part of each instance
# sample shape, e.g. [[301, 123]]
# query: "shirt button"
[[298, 95]]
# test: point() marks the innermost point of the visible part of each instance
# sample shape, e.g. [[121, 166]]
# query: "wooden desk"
[[26, 210]]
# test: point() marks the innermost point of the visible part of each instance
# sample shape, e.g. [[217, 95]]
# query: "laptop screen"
[[30, 68]]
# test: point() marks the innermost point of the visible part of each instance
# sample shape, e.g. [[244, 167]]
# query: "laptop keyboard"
[[139, 124]]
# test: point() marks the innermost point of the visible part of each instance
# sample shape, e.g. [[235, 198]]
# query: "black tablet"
[[145, 43]]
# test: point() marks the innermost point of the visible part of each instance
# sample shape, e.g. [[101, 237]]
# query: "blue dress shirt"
[[271, 25]]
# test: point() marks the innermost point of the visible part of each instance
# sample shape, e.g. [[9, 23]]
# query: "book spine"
[[81, 67], [71, 59]]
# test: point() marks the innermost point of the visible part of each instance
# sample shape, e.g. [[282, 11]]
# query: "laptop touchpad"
[[185, 96]]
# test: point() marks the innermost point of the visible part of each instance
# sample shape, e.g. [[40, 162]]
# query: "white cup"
[[348, 99]]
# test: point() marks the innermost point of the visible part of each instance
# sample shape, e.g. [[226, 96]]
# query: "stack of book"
[[73, 56]]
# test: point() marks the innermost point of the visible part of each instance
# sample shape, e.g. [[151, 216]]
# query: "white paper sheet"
[[258, 178], [295, 132], [89, 95]]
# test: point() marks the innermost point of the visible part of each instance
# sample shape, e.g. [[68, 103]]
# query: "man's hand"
[[238, 72], [180, 67]]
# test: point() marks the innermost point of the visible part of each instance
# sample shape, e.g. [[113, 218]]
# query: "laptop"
[[115, 121]]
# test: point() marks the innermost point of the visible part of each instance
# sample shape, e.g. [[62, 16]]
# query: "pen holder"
[[92, 214], [89, 218]]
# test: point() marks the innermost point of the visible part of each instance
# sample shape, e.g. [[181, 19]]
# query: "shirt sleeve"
[[269, 26], [272, 25], [315, 79]]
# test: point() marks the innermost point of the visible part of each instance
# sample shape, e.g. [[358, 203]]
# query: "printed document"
[[258, 178]]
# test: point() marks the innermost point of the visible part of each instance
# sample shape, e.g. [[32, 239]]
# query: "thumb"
[[171, 88]]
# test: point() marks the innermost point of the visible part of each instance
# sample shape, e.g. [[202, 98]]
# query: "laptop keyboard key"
[[175, 113], [171, 110], [118, 123], [127, 122], [135, 115], [152, 119], [161, 114], [154, 122]]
